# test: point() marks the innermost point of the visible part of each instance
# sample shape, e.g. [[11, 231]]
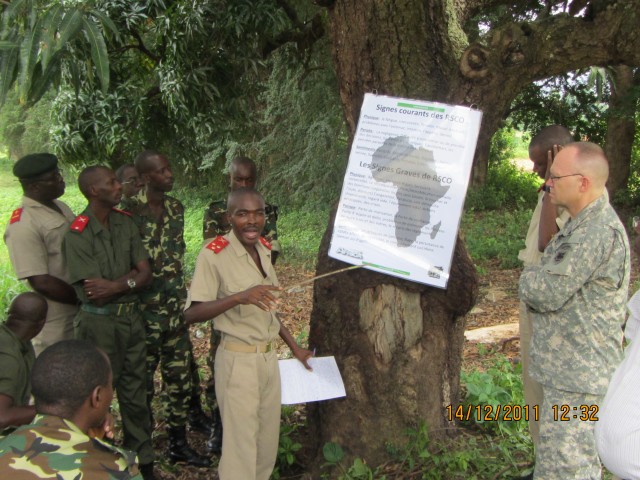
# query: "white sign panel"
[[405, 186]]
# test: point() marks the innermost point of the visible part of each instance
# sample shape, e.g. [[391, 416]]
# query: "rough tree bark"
[[398, 344], [621, 126]]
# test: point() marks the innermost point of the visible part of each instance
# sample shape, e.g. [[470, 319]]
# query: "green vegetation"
[[485, 449]]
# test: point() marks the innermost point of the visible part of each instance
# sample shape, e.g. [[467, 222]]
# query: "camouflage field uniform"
[[577, 298], [52, 447], [168, 342], [215, 223]]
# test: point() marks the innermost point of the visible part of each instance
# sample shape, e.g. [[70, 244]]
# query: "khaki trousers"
[[248, 392], [532, 389]]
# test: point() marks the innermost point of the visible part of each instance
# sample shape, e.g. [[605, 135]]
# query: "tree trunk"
[[621, 127], [398, 344], [399, 348]]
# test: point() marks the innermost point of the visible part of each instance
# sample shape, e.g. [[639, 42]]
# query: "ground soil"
[[497, 305]]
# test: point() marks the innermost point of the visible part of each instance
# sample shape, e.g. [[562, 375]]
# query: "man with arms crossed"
[[576, 296], [235, 285], [108, 265]]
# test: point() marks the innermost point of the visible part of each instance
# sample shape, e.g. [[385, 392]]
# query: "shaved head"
[[549, 136], [591, 161], [89, 176], [145, 161], [236, 195], [27, 314]]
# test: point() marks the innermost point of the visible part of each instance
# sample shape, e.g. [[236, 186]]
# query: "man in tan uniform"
[[235, 285], [545, 222], [34, 239]]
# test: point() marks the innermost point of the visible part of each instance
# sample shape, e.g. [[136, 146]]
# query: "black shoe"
[[180, 451], [198, 420], [146, 471], [214, 443]]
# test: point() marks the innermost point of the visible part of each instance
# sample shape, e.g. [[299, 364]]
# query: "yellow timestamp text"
[[492, 413], [584, 413]]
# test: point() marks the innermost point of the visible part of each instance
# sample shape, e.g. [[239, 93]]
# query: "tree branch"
[[552, 46], [141, 46]]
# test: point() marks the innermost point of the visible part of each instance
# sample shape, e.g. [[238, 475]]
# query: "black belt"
[[119, 309]]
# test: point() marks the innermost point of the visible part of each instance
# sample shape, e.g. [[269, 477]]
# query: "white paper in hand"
[[300, 385]]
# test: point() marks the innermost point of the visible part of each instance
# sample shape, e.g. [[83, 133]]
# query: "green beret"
[[35, 164]]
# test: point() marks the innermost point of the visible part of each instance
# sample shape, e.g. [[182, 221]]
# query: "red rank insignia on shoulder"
[[265, 242], [80, 223], [218, 244], [122, 212], [15, 216]]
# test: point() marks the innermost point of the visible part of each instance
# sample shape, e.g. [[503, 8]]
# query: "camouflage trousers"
[[210, 390], [567, 446], [170, 348]]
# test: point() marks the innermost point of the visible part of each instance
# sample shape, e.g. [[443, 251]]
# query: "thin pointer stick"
[[328, 274]]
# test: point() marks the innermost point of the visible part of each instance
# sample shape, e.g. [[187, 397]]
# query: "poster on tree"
[[405, 186]]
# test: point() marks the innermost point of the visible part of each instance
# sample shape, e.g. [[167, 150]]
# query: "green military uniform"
[[168, 340], [52, 447], [247, 377], [577, 297], [91, 251], [16, 361], [215, 223]]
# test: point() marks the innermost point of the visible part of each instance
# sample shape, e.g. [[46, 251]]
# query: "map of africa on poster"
[[404, 188]]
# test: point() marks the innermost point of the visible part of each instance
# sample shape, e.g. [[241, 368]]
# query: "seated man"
[[27, 314], [71, 384]]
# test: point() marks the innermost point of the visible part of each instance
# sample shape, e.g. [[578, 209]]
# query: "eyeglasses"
[[558, 177], [129, 181]]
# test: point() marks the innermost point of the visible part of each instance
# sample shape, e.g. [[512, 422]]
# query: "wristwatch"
[[131, 282]]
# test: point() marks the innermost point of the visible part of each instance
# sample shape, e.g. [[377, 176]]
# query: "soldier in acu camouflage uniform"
[[576, 297], [71, 383], [160, 219]]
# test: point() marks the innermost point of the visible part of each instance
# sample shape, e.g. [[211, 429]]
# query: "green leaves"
[[99, 52], [42, 40]]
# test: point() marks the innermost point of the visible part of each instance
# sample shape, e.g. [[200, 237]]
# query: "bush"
[[496, 236], [507, 187]]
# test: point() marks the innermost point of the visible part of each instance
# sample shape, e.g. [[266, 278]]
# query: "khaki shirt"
[[230, 271], [96, 252], [530, 255], [35, 248]]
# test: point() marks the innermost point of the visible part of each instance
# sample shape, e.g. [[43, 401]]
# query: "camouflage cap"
[[35, 164]]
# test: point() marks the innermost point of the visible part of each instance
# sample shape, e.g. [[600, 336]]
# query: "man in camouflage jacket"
[[71, 383], [577, 297], [160, 220]]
